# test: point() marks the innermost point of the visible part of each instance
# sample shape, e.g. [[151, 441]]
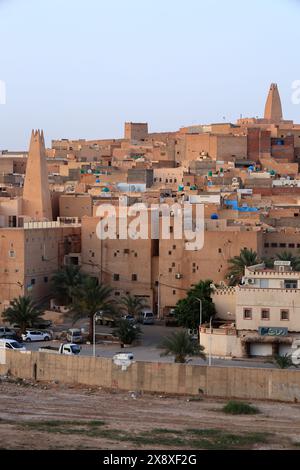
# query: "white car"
[[123, 356], [11, 344], [35, 335]]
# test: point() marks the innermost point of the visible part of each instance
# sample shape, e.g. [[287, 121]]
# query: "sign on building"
[[272, 331]]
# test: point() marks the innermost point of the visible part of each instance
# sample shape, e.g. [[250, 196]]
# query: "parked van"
[[146, 317], [74, 335], [11, 344]]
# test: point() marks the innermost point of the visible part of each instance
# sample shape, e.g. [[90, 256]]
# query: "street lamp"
[[94, 334]]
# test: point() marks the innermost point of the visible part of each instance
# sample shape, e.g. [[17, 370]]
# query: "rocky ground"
[[56, 416]]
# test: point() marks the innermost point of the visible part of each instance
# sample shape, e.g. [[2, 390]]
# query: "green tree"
[[288, 256], [187, 311], [89, 298], [127, 332], [237, 265], [181, 346], [283, 362], [23, 312], [132, 305], [65, 281]]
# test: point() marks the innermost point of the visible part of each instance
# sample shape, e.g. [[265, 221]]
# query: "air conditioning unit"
[[251, 281], [178, 276]]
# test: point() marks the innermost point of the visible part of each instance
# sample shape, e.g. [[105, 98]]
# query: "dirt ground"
[[56, 416]]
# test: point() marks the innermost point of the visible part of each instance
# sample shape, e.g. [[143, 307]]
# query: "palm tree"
[[23, 312], [238, 264], [64, 282], [127, 332], [284, 362], [89, 298], [133, 305], [180, 345], [288, 256]]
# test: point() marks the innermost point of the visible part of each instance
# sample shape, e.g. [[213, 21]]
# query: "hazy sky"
[[80, 69]]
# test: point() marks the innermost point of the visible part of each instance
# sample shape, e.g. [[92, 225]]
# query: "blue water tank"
[[214, 217]]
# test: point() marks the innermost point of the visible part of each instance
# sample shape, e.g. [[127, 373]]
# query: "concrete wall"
[[225, 382]]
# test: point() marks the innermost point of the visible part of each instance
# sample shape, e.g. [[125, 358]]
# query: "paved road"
[[149, 351]]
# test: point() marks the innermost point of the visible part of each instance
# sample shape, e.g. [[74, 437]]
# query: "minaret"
[[273, 109], [36, 194]]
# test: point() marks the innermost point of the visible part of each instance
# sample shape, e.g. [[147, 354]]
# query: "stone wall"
[[224, 382]]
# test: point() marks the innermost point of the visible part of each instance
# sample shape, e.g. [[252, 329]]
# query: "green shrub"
[[240, 408]]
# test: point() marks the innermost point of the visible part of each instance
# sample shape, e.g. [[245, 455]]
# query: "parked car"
[[69, 349], [42, 324], [74, 335], [11, 344], [35, 335], [12, 335], [4, 330], [170, 319], [129, 318], [121, 356], [146, 317], [103, 318]]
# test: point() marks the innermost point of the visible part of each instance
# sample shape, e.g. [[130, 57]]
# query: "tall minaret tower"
[[273, 109], [36, 194]]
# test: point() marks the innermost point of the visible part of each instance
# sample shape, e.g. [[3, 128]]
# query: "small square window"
[[174, 247], [32, 282], [116, 277], [134, 277], [45, 279], [284, 315], [265, 314], [247, 314], [174, 292], [220, 250], [267, 245], [291, 245]]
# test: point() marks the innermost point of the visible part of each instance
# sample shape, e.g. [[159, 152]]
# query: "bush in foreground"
[[240, 408]]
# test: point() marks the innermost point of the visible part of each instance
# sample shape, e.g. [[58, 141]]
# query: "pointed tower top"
[[36, 193], [273, 109]]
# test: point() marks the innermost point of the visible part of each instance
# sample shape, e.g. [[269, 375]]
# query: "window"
[[284, 315], [174, 247], [290, 284], [171, 229], [220, 250], [32, 282], [126, 251], [174, 292], [282, 245], [117, 294], [291, 245], [45, 279], [134, 277], [116, 277], [170, 253], [170, 270], [265, 314], [267, 245], [247, 314], [173, 265], [274, 245]]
